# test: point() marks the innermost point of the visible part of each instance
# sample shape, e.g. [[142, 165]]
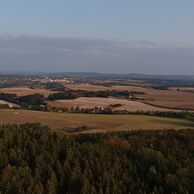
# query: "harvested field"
[[91, 87], [97, 123], [185, 89], [88, 87], [23, 91], [11, 105], [84, 102], [169, 98]]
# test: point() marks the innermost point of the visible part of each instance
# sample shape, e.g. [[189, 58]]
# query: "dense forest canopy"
[[34, 159]]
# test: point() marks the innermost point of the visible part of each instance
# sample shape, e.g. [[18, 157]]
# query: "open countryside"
[[176, 98], [103, 123], [96, 97], [91, 103]]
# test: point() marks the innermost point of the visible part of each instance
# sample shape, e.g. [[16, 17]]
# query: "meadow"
[[95, 122]]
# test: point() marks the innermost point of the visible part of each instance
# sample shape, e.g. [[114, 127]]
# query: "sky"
[[110, 36]]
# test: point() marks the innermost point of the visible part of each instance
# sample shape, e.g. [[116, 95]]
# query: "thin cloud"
[[34, 53]]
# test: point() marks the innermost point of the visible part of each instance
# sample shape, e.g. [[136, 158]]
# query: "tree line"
[[73, 94]]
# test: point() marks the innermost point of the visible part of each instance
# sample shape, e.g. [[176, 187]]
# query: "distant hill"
[[102, 75], [130, 76]]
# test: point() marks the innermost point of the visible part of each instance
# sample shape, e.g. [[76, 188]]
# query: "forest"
[[35, 159]]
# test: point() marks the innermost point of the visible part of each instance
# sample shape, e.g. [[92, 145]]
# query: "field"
[[11, 105], [97, 123], [88, 87], [173, 98], [185, 89], [23, 91], [170, 98], [85, 102], [91, 87]]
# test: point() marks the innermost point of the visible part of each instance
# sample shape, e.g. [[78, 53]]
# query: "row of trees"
[[34, 159], [82, 93]]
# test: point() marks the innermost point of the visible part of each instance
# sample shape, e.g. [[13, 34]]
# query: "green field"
[[94, 121]]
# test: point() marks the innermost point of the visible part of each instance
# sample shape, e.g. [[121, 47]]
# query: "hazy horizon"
[[99, 36]]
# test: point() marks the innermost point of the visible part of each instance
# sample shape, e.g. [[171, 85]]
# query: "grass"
[[98, 123]]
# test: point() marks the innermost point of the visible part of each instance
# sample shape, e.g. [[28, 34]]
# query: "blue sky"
[[161, 20], [167, 24]]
